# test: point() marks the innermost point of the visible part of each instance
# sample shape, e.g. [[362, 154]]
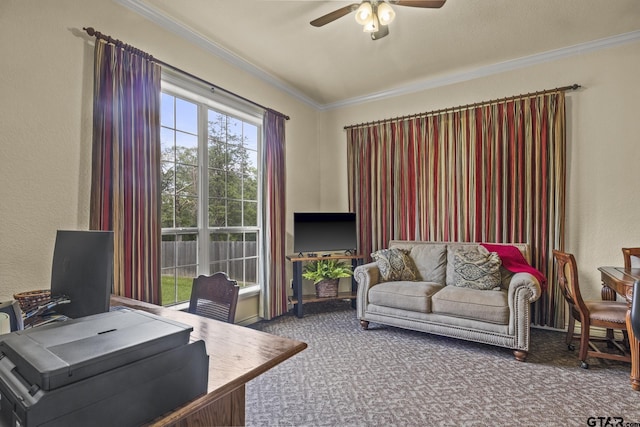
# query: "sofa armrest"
[[524, 282], [524, 289], [366, 275]]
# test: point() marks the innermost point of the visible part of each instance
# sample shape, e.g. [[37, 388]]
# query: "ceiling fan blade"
[[432, 4], [383, 30], [332, 16]]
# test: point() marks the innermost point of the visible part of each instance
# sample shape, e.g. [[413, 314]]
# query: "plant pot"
[[327, 288]]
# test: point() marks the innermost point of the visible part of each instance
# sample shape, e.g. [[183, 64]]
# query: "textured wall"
[[45, 132], [45, 123], [603, 124]]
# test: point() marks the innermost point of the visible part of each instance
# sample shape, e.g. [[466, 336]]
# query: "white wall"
[[45, 123], [45, 132], [603, 121]]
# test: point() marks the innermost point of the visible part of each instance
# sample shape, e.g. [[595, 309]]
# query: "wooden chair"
[[598, 313], [631, 257], [215, 296], [635, 309]]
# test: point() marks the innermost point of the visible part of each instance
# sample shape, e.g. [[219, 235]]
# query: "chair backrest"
[[631, 257], [215, 296], [569, 285]]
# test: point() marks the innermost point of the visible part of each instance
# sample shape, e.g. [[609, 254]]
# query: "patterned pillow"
[[477, 268], [395, 264]]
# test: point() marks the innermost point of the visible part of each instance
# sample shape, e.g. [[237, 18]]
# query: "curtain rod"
[[467, 106], [121, 44]]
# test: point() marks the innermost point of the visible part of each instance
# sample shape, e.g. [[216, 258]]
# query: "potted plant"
[[326, 274]]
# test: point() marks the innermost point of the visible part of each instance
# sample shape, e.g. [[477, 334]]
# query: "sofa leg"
[[520, 355], [364, 324]]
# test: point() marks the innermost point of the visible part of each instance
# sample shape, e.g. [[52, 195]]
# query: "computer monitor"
[[83, 271], [324, 231]]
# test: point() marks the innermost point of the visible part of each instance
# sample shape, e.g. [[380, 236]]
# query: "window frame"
[[207, 98]]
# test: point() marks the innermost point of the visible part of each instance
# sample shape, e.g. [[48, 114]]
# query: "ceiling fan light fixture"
[[386, 14], [364, 13], [371, 26]]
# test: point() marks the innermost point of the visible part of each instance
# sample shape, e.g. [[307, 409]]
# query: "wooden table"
[[617, 280], [298, 299], [236, 355]]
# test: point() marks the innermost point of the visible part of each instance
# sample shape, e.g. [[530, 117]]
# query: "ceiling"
[[338, 64]]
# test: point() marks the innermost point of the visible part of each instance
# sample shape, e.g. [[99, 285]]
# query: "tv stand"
[[298, 299]]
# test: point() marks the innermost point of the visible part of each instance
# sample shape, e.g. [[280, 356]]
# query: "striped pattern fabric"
[[490, 173], [273, 301], [125, 166]]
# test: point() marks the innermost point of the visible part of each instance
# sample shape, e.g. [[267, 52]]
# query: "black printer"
[[120, 368]]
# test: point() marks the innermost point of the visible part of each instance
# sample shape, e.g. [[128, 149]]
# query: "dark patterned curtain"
[[490, 173], [273, 300], [125, 166]]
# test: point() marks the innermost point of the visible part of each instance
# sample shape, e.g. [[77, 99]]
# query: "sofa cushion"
[[485, 306], [395, 264], [412, 296], [452, 276], [477, 268], [431, 262]]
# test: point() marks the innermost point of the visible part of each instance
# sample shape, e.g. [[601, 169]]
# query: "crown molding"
[[198, 39], [489, 70], [162, 20]]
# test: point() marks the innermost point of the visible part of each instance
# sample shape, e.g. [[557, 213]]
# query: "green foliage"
[[326, 269], [169, 284], [183, 285], [233, 180]]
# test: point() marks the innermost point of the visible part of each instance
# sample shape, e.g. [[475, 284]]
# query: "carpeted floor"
[[392, 377]]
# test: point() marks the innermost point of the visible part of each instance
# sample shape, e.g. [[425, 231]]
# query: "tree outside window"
[[223, 215]]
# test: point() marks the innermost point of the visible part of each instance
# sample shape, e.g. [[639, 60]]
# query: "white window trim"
[[183, 87]]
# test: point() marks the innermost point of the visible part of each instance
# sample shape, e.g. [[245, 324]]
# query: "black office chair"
[[635, 309]]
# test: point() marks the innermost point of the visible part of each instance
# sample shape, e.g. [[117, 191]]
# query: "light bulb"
[[371, 26], [385, 13], [364, 12]]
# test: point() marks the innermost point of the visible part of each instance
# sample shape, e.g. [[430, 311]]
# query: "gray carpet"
[[392, 377]]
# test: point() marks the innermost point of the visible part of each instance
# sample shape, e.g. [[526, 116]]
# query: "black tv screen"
[[83, 271], [324, 232]]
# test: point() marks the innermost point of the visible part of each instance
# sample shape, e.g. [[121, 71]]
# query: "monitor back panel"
[[83, 271]]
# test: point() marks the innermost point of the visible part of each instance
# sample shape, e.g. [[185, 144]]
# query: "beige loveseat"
[[435, 301]]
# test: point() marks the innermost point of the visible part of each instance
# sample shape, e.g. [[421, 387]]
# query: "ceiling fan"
[[375, 15]]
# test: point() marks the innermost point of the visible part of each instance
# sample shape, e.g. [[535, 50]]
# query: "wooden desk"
[[236, 356], [620, 281]]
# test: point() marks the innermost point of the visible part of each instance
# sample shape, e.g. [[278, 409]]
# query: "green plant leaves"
[[326, 269]]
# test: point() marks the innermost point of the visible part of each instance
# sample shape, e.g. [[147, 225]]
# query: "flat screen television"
[[324, 232], [83, 271]]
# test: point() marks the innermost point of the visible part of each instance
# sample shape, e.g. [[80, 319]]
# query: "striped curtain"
[[125, 166], [491, 173], [273, 301]]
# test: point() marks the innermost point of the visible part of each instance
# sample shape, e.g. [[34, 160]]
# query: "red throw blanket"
[[513, 260]]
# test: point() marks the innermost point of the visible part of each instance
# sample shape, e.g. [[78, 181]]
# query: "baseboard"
[[595, 331], [249, 321]]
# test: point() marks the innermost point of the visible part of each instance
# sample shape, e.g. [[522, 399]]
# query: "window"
[[210, 192]]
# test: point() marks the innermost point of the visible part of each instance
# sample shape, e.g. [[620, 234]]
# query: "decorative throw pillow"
[[395, 264], [477, 268]]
